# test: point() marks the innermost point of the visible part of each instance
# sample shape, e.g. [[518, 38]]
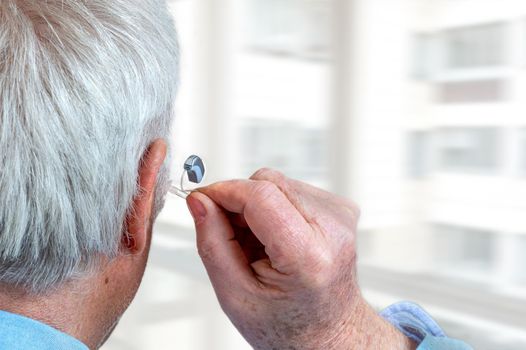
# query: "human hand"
[[281, 257]]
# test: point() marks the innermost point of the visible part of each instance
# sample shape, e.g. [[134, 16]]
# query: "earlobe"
[[138, 220]]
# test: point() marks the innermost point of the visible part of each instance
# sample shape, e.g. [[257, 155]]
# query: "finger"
[[309, 200], [268, 276], [270, 215], [221, 253]]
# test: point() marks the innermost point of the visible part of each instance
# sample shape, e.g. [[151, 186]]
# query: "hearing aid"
[[194, 169]]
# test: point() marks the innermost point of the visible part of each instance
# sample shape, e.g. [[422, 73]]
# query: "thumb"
[[224, 260]]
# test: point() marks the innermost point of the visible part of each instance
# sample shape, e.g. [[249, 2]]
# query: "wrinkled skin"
[[281, 256]]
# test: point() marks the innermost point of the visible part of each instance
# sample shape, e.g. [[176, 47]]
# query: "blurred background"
[[415, 109]]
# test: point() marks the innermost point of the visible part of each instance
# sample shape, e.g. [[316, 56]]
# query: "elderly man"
[[86, 93]]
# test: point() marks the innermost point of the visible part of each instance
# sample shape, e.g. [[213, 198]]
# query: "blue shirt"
[[22, 333]]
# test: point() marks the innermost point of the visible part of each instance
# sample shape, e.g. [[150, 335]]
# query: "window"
[[425, 55], [289, 27], [468, 149], [463, 248], [298, 151], [478, 46], [419, 154], [471, 91], [522, 152], [482, 46], [522, 262]]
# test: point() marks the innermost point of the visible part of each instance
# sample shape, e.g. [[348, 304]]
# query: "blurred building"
[[440, 124], [465, 120]]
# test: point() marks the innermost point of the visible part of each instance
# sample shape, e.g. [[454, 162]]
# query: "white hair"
[[85, 86]]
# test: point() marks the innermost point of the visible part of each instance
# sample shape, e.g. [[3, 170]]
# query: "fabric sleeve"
[[419, 326]]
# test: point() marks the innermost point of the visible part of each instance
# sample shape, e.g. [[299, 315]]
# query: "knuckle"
[[353, 207], [267, 174], [275, 177]]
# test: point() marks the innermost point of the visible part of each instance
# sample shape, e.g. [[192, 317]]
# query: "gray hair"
[[85, 86]]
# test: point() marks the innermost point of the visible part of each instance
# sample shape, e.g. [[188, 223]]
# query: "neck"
[[78, 310]]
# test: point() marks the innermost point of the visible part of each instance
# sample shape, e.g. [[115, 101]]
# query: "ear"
[[138, 220]]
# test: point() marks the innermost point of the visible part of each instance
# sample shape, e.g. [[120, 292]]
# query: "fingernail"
[[197, 209]]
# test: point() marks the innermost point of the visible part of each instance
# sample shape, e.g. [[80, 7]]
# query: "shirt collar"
[[19, 332]]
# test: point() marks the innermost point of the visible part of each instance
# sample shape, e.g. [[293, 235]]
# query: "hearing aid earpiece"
[[194, 168]]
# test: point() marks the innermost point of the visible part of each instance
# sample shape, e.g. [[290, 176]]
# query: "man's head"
[[86, 86]]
